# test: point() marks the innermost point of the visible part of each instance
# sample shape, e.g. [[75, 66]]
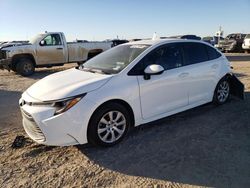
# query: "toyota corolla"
[[126, 86]]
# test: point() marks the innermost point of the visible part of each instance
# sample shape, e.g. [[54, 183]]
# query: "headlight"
[[61, 105], [8, 53]]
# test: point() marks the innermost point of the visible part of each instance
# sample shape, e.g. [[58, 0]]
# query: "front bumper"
[[5, 64], [68, 128], [227, 47]]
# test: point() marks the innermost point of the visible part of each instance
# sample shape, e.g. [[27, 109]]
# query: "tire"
[[102, 131], [222, 92], [80, 63], [25, 67], [13, 68]]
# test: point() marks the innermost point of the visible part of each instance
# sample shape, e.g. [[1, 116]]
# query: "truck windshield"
[[35, 38], [114, 60]]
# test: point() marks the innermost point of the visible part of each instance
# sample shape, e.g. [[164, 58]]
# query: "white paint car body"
[[246, 43], [173, 91]]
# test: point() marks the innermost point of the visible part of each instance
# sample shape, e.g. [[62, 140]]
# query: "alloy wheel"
[[111, 126], [223, 91]]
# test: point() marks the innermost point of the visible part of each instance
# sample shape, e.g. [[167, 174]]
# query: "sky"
[[109, 19]]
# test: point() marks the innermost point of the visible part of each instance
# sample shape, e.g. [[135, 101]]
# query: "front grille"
[[2, 54], [32, 128]]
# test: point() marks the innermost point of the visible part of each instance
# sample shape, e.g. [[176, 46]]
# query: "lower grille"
[[32, 128]]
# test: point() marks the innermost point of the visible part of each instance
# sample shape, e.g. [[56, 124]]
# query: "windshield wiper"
[[93, 70]]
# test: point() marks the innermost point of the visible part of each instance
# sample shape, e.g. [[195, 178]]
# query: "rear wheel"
[[109, 125], [222, 92], [25, 67]]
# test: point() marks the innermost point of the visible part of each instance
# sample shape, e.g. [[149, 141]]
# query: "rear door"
[[202, 70], [51, 50]]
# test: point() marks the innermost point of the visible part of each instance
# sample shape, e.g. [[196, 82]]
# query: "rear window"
[[212, 53], [195, 53]]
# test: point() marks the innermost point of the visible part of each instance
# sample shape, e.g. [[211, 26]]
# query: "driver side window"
[[168, 56], [52, 40]]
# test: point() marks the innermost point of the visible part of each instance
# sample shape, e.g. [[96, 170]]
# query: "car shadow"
[[205, 146]]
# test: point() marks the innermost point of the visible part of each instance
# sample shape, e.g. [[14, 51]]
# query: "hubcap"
[[27, 67], [111, 126], [223, 91]]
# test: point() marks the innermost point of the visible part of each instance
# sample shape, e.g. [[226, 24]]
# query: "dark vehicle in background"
[[214, 40], [117, 42], [232, 43], [193, 37]]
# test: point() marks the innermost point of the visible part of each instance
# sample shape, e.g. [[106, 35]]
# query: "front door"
[[51, 50], [168, 91]]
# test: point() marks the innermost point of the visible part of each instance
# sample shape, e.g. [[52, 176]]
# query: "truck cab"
[[46, 50]]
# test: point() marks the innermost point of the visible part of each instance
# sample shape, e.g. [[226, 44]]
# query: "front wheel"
[[25, 67], [222, 92], [109, 125]]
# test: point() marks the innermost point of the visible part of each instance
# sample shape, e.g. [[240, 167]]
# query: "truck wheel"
[[13, 68], [25, 67], [80, 62]]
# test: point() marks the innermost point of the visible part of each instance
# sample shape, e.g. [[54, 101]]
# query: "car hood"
[[65, 84], [15, 46]]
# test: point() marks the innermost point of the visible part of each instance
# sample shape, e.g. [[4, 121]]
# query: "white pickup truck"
[[47, 50]]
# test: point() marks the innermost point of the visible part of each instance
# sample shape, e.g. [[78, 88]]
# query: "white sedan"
[[129, 85]]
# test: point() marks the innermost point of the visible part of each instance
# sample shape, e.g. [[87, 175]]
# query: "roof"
[[159, 41]]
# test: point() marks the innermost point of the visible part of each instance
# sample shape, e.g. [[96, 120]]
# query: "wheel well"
[[121, 102], [16, 58], [228, 76], [236, 86], [94, 52]]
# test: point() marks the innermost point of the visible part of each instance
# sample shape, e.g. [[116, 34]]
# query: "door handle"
[[183, 75], [59, 48], [214, 66]]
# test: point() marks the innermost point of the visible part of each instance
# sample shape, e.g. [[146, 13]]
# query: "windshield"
[[114, 60], [35, 38]]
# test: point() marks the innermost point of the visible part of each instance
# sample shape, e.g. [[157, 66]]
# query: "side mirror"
[[152, 70], [42, 43]]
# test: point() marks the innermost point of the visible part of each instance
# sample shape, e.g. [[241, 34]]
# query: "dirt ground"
[[207, 146]]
